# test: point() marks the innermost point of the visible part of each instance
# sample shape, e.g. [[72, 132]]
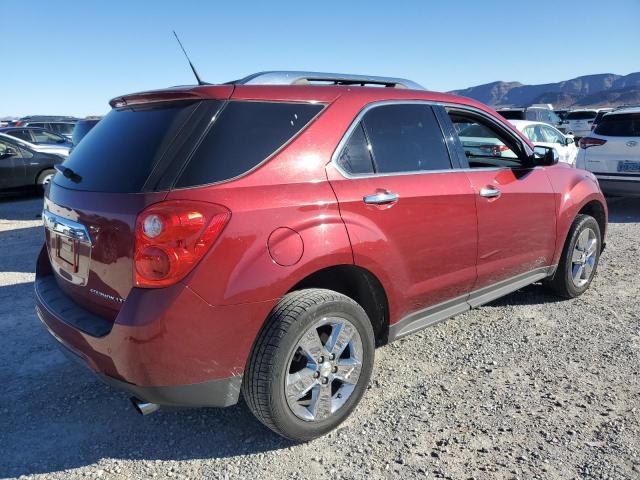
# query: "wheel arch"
[[360, 285]]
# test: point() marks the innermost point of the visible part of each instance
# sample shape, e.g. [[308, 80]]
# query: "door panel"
[[12, 169], [516, 230], [422, 246]]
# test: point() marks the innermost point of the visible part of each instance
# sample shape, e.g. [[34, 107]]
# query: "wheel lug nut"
[[325, 380], [316, 374], [321, 360], [334, 369], [332, 357]]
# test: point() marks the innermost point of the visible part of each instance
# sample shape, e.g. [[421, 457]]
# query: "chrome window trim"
[[356, 121]]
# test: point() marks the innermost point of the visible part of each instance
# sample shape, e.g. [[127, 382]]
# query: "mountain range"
[[604, 89]]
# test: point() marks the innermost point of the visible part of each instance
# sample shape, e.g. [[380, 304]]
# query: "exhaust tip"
[[142, 407]]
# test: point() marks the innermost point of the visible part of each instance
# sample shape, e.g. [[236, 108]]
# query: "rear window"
[[144, 148], [588, 115], [81, 129], [124, 147], [512, 114], [620, 125], [243, 136]]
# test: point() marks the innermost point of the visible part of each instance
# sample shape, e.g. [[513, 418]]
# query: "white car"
[[578, 122], [61, 151], [612, 152], [545, 135]]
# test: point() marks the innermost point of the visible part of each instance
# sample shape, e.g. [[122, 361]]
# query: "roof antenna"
[[193, 69]]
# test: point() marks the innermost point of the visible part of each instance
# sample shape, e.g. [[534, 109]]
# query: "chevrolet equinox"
[[265, 235]]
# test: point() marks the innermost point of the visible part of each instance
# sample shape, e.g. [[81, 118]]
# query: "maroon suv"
[[263, 236]]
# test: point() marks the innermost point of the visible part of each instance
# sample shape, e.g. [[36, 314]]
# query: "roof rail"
[[305, 78]]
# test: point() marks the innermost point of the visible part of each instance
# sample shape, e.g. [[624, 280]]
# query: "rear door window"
[[355, 157], [244, 135], [405, 138]]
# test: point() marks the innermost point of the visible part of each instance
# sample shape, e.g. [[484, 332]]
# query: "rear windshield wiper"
[[68, 173]]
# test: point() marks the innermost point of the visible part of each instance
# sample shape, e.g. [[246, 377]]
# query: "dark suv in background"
[[57, 124], [263, 236]]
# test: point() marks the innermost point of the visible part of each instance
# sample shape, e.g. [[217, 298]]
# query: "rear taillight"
[[586, 142], [171, 237]]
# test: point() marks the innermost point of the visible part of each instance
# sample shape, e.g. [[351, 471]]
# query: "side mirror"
[[9, 152], [544, 156], [570, 140]]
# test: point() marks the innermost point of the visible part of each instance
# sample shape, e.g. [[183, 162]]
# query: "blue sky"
[[72, 56]]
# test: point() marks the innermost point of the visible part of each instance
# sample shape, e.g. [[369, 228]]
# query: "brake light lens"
[[171, 237], [586, 142]]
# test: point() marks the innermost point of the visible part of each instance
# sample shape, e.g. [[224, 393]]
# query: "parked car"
[[601, 113], [270, 249], [61, 150], [21, 167], [534, 114], [612, 152], [57, 124], [579, 122], [37, 136], [83, 127], [545, 135]]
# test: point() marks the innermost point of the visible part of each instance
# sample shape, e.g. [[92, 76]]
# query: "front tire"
[[310, 364], [579, 259]]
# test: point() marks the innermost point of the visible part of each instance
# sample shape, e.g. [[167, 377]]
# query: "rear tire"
[[579, 260], [310, 364], [44, 179]]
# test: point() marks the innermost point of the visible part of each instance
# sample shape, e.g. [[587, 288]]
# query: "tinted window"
[[356, 155], [43, 136], [588, 115], [124, 147], [62, 128], [244, 135], [81, 129], [512, 114], [620, 125], [405, 138], [22, 134]]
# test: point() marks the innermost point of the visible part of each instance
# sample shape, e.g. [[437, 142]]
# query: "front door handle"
[[490, 192], [381, 198]]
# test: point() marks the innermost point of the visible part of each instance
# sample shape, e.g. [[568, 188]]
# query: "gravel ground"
[[525, 387]]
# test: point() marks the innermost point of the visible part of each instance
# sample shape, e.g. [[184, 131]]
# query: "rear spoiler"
[[171, 95]]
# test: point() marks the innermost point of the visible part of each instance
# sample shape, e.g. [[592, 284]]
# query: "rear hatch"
[[127, 162], [619, 155], [148, 145]]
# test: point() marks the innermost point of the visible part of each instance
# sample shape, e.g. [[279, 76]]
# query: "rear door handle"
[[490, 192], [381, 198]]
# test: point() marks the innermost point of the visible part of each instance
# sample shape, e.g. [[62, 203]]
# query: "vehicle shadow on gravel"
[[64, 418], [623, 210]]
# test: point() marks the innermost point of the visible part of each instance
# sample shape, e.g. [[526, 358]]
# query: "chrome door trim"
[[65, 227]]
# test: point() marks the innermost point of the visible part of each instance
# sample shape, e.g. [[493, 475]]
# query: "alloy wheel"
[[583, 258], [323, 369]]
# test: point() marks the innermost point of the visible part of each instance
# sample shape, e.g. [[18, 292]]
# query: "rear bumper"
[[619, 186], [166, 346]]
